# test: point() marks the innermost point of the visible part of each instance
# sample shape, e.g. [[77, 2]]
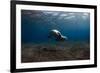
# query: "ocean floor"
[[60, 51]]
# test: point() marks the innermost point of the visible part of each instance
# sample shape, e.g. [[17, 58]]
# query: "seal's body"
[[57, 35]]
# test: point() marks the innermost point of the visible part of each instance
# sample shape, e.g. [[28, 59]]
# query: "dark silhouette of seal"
[[55, 34]]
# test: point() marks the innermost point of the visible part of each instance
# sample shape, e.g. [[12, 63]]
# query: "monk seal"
[[55, 34]]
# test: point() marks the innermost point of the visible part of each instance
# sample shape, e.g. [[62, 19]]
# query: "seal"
[[55, 34]]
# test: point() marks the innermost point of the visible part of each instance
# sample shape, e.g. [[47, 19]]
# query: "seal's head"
[[57, 35]]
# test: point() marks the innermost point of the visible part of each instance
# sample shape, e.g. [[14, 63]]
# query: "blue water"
[[35, 25]]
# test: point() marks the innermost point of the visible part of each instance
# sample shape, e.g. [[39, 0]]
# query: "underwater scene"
[[54, 36]]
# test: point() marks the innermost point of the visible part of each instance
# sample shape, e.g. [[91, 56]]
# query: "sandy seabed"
[[60, 51]]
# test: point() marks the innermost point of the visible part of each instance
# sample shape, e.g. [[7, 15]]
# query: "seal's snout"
[[64, 37]]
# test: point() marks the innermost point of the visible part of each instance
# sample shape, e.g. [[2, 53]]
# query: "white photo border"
[[58, 63]]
